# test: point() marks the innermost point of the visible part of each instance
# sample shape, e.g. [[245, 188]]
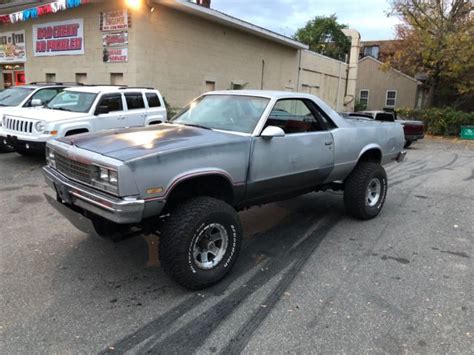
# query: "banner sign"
[[59, 38], [114, 39], [12, 47], [114, 20], [115, 55]]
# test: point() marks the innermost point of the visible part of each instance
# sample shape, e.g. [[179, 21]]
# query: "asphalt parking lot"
[[309, 278]]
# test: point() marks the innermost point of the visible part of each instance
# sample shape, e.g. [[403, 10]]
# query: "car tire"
[[365, 190], [407, 143], [192, 230]]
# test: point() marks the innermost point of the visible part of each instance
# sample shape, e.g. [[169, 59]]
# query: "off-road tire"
[[184, 226], [356, 186]]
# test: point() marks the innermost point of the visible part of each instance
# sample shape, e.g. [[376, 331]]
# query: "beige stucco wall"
[[371, 77], [177, 53]]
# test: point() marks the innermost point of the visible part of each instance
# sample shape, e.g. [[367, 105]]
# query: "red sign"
[[59, 38]]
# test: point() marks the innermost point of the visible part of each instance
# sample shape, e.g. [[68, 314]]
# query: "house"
[[181, 47], [379, 88]]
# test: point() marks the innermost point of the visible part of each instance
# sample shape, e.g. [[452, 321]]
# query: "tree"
[[324, 35], [436, 40]]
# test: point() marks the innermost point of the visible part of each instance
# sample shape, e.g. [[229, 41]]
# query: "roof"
[[230, 21], [260, 93], [391, 69]]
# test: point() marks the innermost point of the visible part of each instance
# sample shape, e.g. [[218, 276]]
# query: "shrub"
[[440, 121]]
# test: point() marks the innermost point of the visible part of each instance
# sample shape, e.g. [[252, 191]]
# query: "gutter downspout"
[[299, 73]]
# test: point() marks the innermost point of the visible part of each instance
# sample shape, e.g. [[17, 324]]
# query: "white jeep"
[[78, 110]]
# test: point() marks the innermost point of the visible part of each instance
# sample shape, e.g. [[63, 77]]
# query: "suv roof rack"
[[137, 87], [55, 83]]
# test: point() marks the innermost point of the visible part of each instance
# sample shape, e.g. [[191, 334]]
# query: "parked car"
[[414, 130], [81, 109], [226, 151], [34, 94]]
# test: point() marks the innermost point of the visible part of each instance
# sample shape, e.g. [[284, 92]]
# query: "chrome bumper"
[[114, 209]]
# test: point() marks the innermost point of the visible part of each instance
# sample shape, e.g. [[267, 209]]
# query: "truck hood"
[[44, 114], [134, 143]]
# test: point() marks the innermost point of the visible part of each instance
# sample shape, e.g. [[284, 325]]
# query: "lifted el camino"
[[228, 150]]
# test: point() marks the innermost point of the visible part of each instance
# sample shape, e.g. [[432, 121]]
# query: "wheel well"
[[76, 131], [154, 122], [216, 186], [373, 155]]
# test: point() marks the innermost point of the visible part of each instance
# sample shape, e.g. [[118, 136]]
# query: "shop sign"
[[115, 39], [114, 20], [12, 47], [115, 55], [59, 38]]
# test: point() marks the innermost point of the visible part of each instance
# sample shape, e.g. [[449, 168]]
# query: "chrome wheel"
[[210, 246], [373, 192]]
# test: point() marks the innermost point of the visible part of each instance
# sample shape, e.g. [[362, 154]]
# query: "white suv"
[[78, 110]]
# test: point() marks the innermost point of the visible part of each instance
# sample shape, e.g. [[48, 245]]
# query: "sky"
[[286, 16]]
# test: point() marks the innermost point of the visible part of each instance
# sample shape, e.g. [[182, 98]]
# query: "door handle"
[[328, 143]]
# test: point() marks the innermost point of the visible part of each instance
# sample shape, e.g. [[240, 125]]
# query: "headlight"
[[50, 158], [107, 175], [40, 126]]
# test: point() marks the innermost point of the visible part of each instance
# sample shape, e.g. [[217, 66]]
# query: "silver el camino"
[[227, 150]]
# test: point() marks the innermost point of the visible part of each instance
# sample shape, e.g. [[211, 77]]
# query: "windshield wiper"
[[61, 109], [195, 125]]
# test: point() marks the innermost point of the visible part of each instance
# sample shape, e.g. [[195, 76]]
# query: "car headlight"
[[107, 175], [50, 158], [40, 126]]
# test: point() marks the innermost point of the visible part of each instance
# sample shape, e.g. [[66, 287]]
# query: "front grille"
[[19, 125], [73, 169]]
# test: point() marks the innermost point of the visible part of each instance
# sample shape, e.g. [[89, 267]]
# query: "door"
[[303, 158], [19, 78], [115, 118], [156, 111], [136, 113]]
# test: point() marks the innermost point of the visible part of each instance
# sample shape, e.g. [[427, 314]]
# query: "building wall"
[[371, 77], [178, 53], [66, 67]]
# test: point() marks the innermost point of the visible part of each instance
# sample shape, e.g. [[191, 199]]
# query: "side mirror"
[[36, 103], [101, 110], [272, 131]]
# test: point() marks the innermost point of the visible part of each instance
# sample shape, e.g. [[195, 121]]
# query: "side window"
[[113, 102], [153, 100], [294, 116], [134, 100], [45, 95]]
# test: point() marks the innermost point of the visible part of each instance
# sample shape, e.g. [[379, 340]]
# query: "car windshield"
[[226, 112], [14, 96], [73, 101]]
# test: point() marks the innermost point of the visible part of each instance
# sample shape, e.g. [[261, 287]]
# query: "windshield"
[[73, 101], [225, 112], [14, 96]]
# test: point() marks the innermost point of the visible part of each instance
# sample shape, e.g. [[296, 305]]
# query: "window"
[[113, 102], [81, 78], [116, 79], [14, 95], [236, 86], [153, 100], [74, 101], [372, 51], [364, 97], [294, 116], [210, 86], [45, 95], [50, 77], [391, 98], [134, 101]]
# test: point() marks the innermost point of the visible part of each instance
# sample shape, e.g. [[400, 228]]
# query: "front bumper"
[[81, 198], [18, 143]]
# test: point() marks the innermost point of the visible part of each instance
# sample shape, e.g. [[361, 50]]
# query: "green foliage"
[[359, 106], [440, 121], [324, 35]]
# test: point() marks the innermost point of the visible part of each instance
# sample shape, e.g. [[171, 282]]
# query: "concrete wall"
[[177, 53], [371, 77]]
